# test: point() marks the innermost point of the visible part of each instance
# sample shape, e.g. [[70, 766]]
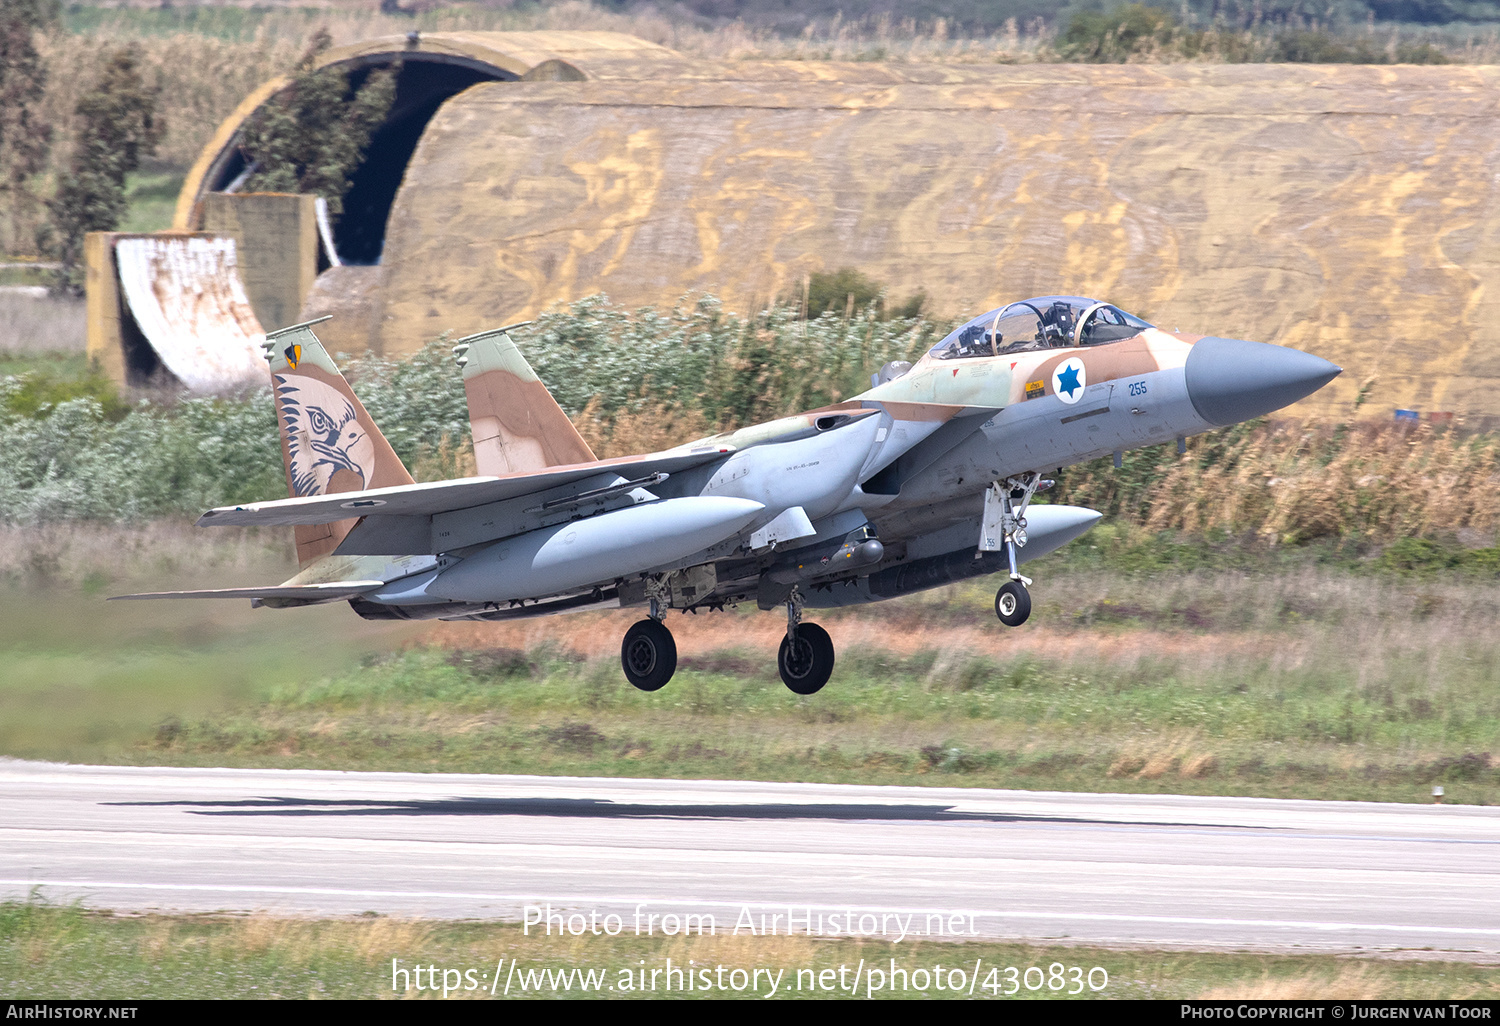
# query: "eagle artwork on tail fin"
[[324, 438]]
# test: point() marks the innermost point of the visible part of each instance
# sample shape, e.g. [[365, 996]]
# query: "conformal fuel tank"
[[595, 550]]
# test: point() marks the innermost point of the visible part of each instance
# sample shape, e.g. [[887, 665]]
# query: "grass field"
[[1298, 681], [67, 952]]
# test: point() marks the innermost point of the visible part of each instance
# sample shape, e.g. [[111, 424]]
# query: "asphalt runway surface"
[[1082, 868]]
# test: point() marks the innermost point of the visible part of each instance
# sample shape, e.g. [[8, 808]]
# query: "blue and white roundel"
[[1069, 380]]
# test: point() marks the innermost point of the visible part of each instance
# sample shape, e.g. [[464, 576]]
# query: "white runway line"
[[1089, 868]]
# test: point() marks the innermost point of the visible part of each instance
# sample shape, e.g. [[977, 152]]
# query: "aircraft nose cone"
[[1230, 380]]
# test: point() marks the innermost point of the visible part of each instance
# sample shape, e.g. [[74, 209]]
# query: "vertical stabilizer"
[[518, 427], [328, 441]]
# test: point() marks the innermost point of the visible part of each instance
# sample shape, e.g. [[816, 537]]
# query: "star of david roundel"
[[1069, 380]]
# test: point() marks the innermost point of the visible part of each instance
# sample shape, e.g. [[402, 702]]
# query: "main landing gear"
[[648, 655], [806, 656], [1004, 529]]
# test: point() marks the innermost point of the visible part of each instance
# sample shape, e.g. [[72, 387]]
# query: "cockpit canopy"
[[1043, 323]]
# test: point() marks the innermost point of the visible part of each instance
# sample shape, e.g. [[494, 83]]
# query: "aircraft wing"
[[432, 498], [302, 593]]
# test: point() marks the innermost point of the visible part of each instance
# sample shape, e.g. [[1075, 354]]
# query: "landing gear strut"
[[806, 656], [1004, 529], [648, 655]]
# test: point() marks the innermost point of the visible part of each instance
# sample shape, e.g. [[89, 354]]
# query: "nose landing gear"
[[1004, 529], [1013, 603]]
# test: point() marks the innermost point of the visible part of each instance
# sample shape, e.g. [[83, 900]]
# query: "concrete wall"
[[101, 284], [1350, 211], [276, 237], [190, 326]]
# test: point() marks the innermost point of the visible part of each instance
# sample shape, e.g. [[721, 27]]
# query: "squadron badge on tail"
[[323, 436]]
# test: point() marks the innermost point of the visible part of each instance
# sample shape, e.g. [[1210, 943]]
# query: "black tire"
[[648, 655], [806, 667], [1013, 603]]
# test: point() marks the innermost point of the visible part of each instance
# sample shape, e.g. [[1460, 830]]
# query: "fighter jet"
[[925, 479]]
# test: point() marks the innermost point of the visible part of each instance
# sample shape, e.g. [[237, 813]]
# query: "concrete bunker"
[[425, 81], [552, 166], [270, 248]]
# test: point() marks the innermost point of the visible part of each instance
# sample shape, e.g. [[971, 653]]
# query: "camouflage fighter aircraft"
[[925, 479]]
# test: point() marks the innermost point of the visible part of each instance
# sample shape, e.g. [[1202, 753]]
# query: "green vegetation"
[[88, 694], [25, 136], [46, 383], [1136, 32], [313, 135], [77, 459], [150, 200], [649, 379], [42, 370], [848, 291], [1145, 668], [117, 126], [66, 952]]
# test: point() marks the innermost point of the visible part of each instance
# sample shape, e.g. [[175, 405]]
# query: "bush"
[[74, 451], [37, 394], [313, 135], [1115, 36]]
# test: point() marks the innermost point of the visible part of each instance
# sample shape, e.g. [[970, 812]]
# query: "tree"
[[117, 125], [1114, 36], [313, 135], [25, 138]]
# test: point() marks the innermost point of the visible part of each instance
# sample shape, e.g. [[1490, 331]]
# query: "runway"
[[1081, 868]]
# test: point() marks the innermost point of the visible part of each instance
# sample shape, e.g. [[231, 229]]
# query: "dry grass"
[[78, 553], [650, 429], [450, 459], [1150, 758], [40, 324], [876, 37], [203, 76], [1292, 482], [302, 941], [1357, 981], [881, 37], [202, 80], [776, 952], [217, 956]]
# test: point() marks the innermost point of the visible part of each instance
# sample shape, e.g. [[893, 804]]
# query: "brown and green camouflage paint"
[[329, 442]]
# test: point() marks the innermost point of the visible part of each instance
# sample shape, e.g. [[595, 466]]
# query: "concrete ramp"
[[186, 297]]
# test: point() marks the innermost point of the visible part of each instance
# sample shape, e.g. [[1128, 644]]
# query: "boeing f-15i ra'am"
[[925, 479]]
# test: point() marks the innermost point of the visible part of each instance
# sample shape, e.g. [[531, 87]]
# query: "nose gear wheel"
[[1013, 603]]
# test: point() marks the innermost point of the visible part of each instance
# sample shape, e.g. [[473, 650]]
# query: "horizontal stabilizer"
[[330, 592], [436, 497]]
